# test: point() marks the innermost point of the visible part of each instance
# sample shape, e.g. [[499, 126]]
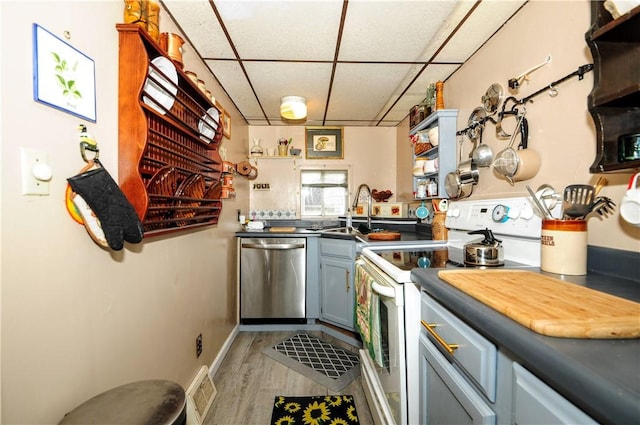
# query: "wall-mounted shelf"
[[154, 141], [614, 102], [445, 151]]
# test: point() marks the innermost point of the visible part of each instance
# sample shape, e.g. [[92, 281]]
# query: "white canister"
[[564, 247]]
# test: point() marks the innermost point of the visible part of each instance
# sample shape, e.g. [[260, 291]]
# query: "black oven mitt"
[[116, 214]]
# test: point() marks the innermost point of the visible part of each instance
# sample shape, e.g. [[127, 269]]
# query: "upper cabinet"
[[614, 102], [169, 132]]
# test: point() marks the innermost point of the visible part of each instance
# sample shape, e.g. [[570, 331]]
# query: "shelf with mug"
[[445, 151]]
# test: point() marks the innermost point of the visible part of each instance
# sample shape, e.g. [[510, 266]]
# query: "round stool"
[[144, 402]]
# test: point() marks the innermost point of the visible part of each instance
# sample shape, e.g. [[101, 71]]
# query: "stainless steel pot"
[[455, 188], [488, 252], [468, 172]]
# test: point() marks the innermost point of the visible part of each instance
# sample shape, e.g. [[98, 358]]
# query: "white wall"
[[77, 319], [369, 154]]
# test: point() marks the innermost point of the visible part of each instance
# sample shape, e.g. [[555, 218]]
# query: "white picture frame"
[[63, 77]]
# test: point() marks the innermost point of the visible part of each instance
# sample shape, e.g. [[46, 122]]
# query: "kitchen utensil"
[[455, 188], [544, 212], [422, 212], [577, 200], [600, 183], [516, 165], [482, 155], [475, 123], [548, 196], [492, 98], [488, 252], [468, 172], [602, 205], [630, 206]]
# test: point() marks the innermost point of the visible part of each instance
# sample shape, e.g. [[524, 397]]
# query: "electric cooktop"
[[431, 258]]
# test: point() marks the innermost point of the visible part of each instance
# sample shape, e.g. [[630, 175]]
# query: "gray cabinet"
[[457, 370], [445, 152], [337, 262], [534, 402], [463, 380]]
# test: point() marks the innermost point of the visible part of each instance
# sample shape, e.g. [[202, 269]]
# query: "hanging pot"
[[455, 188], [482, 155], [521, 164], [468, 172]]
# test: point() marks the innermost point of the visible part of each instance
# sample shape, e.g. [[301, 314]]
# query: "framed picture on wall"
[[226, 124], [63, 77], [324, 143]]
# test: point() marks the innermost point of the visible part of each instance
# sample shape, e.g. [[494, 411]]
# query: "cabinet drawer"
[[338, 248], [474, 354]]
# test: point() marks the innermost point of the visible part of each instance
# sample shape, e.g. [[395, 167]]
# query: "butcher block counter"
[[599, 376]]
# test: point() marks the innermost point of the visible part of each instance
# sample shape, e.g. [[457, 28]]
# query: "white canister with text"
[[564, 247]]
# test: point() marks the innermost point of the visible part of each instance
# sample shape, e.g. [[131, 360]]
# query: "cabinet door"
[[536, 403], [337, 291], [446, 397]]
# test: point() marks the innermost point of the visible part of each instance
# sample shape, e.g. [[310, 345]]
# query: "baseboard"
[[223, 352]]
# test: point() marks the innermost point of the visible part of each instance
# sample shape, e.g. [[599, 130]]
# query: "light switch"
[[36, 172]]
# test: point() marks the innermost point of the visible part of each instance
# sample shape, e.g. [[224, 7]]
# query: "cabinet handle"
[[429, 327], [346, 280]]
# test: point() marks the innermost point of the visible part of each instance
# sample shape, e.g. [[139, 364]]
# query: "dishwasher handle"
[[274, 246]]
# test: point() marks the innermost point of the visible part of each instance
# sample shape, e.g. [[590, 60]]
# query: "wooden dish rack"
[[153, 139]]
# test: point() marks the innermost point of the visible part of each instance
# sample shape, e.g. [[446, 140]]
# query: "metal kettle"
[[488, 252]]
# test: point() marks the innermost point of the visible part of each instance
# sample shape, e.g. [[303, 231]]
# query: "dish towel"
[[367, 314]]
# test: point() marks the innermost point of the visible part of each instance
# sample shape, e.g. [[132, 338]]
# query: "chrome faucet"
[[355, 202]]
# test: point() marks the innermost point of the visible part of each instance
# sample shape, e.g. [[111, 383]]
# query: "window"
[[324, 193]]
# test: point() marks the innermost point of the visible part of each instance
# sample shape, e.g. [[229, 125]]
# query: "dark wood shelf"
[[150, 140], [614, 101]]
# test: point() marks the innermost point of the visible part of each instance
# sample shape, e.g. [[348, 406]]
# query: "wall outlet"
[[198, 345], [261, 186]]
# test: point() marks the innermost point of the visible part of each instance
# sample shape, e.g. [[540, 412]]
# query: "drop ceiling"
[[357, 62]]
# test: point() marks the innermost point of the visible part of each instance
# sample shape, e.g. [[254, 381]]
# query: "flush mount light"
[[293, 107]]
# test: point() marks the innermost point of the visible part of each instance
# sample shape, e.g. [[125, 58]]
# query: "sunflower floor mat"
[[314, 410]]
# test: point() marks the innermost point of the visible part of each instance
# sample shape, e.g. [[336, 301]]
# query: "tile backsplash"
[[272, 214]]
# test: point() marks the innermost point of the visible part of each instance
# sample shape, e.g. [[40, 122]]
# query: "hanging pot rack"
[[552, 91]]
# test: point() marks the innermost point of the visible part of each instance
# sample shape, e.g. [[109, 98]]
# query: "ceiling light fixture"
[[293, 107]]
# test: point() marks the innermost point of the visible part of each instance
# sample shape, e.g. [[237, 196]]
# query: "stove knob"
[[527, 212], [453, 212], [514, 213]]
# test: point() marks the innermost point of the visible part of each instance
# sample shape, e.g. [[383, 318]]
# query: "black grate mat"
[[317, 359]]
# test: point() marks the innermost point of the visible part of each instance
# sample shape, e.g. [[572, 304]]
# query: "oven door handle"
[[382, 290]]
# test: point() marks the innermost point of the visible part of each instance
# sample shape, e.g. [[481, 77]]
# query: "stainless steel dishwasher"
[[272, 279]]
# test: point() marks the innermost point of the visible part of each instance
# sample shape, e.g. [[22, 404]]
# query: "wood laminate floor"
[[248, 381]]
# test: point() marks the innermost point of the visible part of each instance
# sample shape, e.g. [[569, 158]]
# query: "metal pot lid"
[[475, 123], [492, 98]]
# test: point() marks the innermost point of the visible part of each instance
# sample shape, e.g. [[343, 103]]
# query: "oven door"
[[386, 385]]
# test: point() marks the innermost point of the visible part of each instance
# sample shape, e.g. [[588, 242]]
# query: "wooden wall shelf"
[[614, 102], [172, 142]]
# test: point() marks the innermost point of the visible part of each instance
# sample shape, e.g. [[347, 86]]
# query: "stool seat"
[[156, 402]]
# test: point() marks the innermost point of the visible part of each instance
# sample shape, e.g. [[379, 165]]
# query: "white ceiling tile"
[[482, 24], [202, 28], [390, 30], [274, 80], [230, 76], [283, 30], [363, 89]]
